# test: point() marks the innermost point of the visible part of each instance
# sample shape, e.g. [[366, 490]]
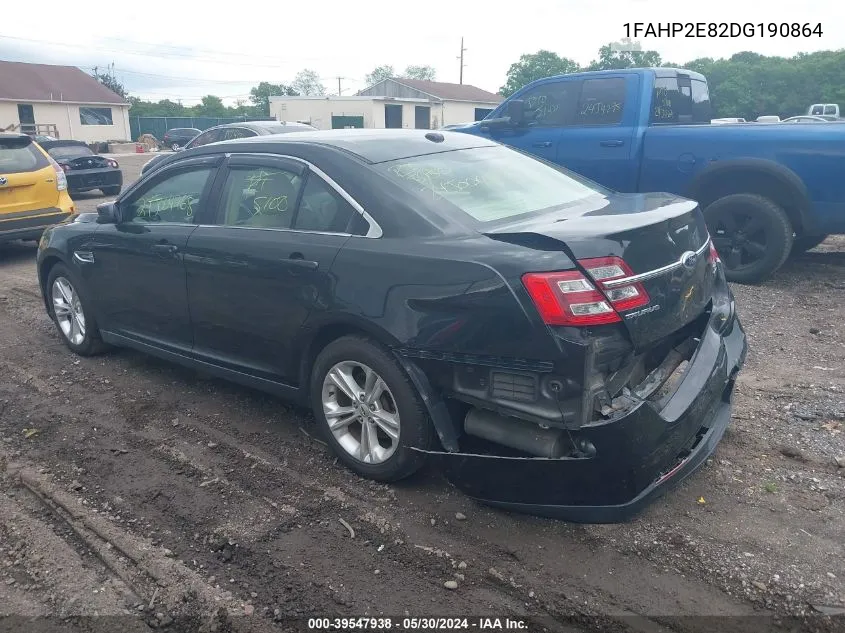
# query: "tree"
[[307, 82], [260, 95], [379, 73], [426, 73], [610, 59], [536, 66], [211, 106], [110, 81]]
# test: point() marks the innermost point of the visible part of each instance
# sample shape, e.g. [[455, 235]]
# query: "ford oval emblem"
[[689, 259], [3, 181]]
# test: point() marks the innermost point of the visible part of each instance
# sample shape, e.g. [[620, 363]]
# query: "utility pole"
[[461, 57], [339, 91]]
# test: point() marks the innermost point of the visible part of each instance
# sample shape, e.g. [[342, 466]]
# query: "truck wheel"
[[806, 242], [752, 235]]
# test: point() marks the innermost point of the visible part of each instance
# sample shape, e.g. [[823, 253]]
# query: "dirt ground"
[[133, 488]]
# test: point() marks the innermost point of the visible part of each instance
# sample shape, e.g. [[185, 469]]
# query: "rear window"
[[20, 155], [69, 151], [680, 99], [489, 183]]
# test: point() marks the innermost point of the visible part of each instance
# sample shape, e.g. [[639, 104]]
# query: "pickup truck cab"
[[766, 190]]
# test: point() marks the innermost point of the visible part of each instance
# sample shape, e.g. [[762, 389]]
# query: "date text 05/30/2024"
[[722, 29], [417, 624]]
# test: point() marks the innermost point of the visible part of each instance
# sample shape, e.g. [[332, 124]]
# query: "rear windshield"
[[69, 152], [490, 183], [19, 155]]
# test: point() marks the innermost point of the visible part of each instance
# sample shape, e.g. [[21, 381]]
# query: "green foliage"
[[110, 81], [379, 73], [615, 60], [260, 96], [307, 82], [749, 85], [420, 72], [536, 66]]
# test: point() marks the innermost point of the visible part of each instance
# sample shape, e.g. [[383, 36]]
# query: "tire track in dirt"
[[130, 402]]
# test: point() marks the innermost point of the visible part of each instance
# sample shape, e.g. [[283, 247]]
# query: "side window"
[[830, 109], [230, 133], [602, 102], [261, 197], [552, 104], [209, 136], [671, 100], [322, 208], [174, 199]]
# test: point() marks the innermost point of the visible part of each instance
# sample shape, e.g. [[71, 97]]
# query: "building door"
[[392, 116], [480, 113], [422, 117], [27, 118], [342, 122]]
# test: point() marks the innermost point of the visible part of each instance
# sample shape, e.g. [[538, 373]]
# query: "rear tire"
[[72, 313], [175, 147], [110, 191], [372, 452], [752, 234], [806, 243]]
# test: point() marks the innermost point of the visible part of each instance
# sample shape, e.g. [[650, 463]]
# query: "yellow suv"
[[33, 189]]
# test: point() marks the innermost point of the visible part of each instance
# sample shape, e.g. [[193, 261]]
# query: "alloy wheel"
[[361, 412], [740, 238], [68, 310]]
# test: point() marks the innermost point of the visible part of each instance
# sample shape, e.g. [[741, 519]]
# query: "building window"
[[95, 116]]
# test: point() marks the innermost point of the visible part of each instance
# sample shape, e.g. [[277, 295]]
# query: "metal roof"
[[20, 81], [437, 89]]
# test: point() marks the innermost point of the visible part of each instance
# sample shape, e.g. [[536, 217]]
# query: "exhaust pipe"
[[518, 434]]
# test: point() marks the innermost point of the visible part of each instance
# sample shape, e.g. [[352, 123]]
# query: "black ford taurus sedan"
[[85, 170], [557, 348]]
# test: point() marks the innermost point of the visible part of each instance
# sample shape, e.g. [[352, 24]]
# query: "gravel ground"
[[133, 488]]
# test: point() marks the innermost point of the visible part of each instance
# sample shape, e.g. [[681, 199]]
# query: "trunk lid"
[[660, 236], [27, 179], [86, 162]]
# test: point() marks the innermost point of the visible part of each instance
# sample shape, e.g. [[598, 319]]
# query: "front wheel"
[[175, 147], [368, 410], [752, 235], [71, 313]]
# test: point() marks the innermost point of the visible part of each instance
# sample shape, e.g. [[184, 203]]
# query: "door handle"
[[542, 144], [612, 143], [298, 260], [165, 249]]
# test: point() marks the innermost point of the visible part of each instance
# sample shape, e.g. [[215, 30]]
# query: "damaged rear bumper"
[[637, 455]]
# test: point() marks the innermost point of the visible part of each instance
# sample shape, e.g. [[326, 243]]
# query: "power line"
[[159, 55]]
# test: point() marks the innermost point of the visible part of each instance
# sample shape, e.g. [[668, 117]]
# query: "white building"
[[63, 100], [391, 103]]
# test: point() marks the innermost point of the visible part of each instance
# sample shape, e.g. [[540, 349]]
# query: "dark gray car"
[[230, 131]]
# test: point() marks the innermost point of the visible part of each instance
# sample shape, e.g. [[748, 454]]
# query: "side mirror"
[[516, 112], [107, 213]]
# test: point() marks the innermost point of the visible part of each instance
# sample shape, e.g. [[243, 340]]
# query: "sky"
[[172, 50]]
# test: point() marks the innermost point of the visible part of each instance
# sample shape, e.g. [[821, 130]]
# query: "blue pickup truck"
[[766, 190]]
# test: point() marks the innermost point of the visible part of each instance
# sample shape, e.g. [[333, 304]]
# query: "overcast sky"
[[170, 50]]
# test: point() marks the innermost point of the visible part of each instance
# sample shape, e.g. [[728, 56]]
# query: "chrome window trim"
[[651, 274], [373, 232]]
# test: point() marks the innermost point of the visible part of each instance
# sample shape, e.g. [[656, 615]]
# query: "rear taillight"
[[570, 298], [713, 256], [61, 179], [112, 163]]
